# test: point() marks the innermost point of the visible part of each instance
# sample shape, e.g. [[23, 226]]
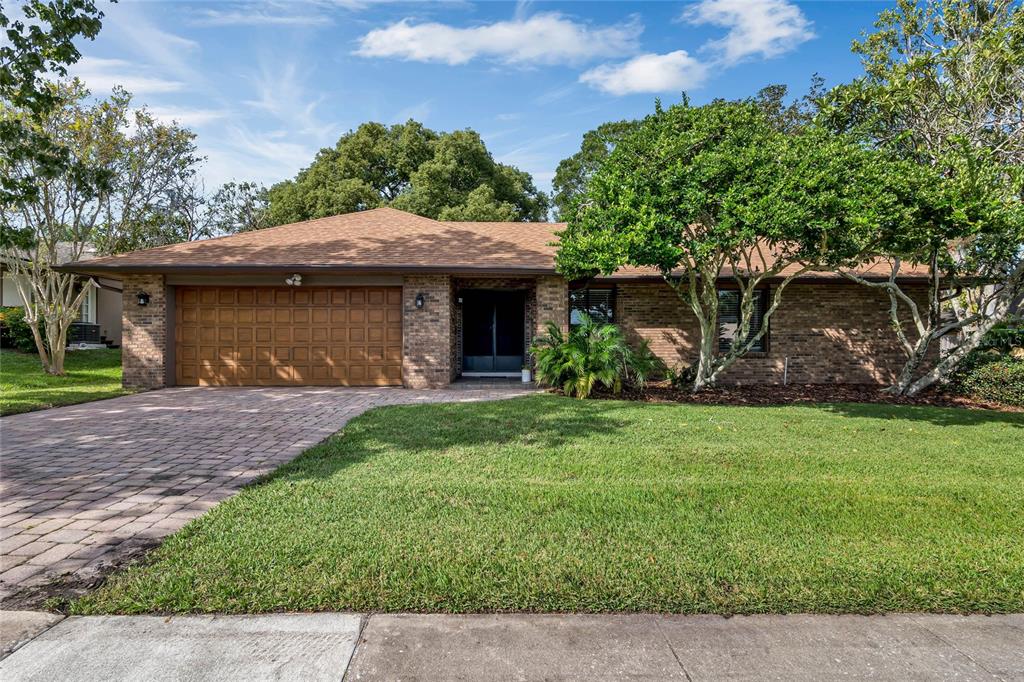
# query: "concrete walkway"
[[83, 486], [523, 647]]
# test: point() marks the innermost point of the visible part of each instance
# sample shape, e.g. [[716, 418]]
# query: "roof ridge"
[[163, 247]]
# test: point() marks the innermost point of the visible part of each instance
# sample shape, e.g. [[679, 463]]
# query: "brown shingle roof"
[[378, 240]]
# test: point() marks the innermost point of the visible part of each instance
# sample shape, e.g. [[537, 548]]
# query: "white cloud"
[[281, 92], [764, 28], [170, 53], [101, 75], [257, 17], [547, 38], [672, 72], [189, 118]]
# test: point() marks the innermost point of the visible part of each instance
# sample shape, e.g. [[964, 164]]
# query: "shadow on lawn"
[[939, 416], [439, 427]]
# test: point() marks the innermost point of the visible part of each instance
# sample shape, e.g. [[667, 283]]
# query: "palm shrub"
[[592, 353]]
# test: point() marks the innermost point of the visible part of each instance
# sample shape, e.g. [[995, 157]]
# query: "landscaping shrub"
[[592, 353], [1004, 337], [14, 331], [992, 377]]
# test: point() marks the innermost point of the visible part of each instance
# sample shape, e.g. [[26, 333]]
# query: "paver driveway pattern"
[[83, 485]]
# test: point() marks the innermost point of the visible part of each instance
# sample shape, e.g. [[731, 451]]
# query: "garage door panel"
[[284, 336]]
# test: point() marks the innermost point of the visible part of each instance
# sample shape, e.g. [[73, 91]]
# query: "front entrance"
[[493, 331]]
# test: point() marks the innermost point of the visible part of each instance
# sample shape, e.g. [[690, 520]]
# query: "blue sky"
[[266, 84]]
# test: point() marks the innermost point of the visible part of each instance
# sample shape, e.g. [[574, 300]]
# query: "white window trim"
[[87, 313]]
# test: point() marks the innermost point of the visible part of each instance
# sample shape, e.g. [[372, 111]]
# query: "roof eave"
[[112, 270]]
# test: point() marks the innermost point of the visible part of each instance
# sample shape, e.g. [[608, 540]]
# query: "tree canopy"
[[40, 42], [943, 87], [446, 176], [116, 193], [700, 193]]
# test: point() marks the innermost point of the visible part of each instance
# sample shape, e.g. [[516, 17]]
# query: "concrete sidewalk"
[[328, 646]]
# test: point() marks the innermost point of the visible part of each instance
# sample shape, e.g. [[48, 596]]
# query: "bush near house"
[[995, 371], [592, 353], [14, 331], [992, 377]]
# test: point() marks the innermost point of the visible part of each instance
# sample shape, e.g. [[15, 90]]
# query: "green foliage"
[[446, 176], [1005, 336], [695, 185], [238, 207], [42, 43], [592, 353], [14, 331], [943, 86], [700, 193], [573, 173], [992, 377]]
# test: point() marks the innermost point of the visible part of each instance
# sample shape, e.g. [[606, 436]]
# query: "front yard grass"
[[551, 504], [91, 375]]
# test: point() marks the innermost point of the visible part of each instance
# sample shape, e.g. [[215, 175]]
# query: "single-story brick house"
[[384, 297]]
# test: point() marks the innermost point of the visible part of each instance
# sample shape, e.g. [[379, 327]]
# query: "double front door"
[[493, 331]]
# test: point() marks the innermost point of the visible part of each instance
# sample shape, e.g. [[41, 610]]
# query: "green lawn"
[[551, 504], [91, 374]]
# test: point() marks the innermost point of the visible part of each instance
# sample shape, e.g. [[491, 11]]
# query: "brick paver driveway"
[[81, 486]]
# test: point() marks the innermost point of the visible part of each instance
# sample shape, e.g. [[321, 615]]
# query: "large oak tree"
[[446, 176]]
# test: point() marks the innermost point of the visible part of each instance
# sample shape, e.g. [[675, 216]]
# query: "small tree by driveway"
[[122, 164]]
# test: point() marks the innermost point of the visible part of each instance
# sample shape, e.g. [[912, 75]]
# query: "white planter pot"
[[526, 376]]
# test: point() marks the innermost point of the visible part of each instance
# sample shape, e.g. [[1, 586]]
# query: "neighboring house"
[[99, 320], [384, 297]]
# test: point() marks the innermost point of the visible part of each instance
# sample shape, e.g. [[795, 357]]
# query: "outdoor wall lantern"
[[143, 298], [420, 301]]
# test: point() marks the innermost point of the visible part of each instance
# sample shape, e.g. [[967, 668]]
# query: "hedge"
[[994, 378]]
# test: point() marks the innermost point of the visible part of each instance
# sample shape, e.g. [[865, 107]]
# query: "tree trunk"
[[706, 362], [57, 350], [44, 356], [948, 364], [910, 367]]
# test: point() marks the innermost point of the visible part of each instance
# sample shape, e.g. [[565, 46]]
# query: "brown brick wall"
[[144, 332], [552, 303], [831, 333], [427, 332]]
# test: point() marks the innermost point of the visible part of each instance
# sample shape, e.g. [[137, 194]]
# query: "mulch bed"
[[794, 394]]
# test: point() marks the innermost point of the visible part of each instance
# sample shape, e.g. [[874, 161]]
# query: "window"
[[598, 303], [87, 313], [729, 319]]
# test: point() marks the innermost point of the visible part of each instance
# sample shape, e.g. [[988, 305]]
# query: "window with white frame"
[[88, 311]]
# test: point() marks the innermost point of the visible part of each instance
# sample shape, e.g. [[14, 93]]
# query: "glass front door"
[[493, 331]]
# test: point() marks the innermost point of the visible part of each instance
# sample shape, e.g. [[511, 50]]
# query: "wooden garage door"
[[288, 336]]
